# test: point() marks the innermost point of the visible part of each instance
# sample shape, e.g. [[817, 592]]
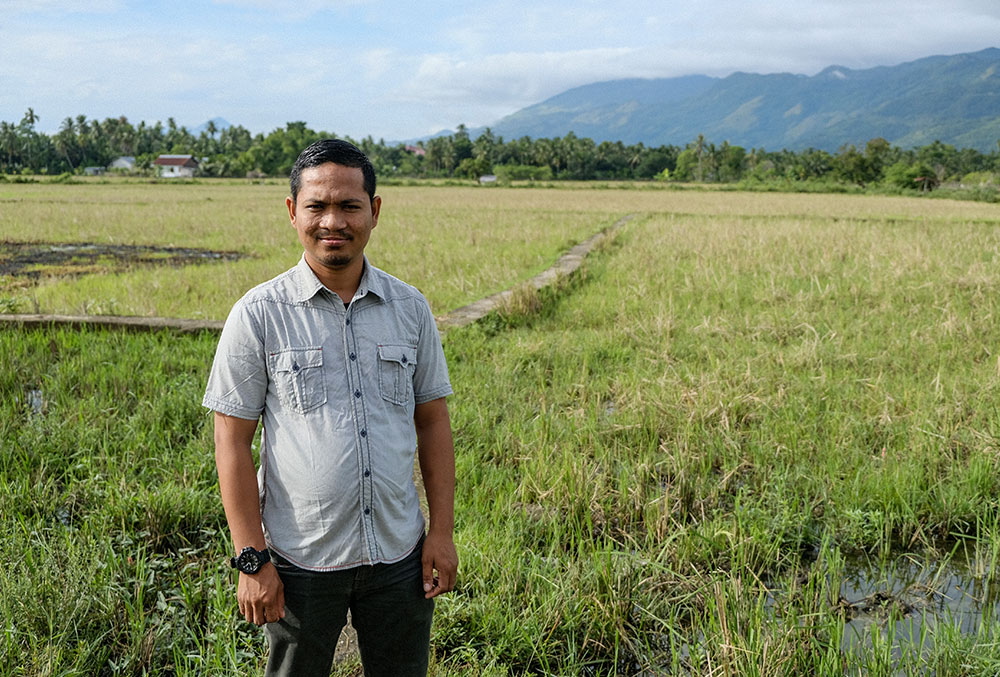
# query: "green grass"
[[112, 537], [663, 464]]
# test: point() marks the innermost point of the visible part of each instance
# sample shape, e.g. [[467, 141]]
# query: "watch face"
[[248, 562]]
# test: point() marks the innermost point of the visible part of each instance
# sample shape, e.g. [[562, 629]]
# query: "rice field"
[[673, 463], [455, 244]]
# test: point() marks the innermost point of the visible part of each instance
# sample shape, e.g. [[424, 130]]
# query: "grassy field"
[[456, 244], [664, 465]]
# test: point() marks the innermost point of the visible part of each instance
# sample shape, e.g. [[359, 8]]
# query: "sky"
[[400, 70]]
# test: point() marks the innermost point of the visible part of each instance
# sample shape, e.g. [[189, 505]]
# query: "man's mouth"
[[334, 238]]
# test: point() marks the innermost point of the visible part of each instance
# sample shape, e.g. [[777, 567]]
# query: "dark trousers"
[[388, 611]]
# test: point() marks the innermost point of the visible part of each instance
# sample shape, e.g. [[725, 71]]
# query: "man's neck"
[[344, 282]]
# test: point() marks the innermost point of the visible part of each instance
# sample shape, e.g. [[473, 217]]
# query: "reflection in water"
[[908, 598]]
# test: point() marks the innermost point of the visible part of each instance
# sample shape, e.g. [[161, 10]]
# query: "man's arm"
[[260, 596], [436, 453]]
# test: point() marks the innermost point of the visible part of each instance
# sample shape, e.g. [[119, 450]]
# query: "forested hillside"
[[954, 99]]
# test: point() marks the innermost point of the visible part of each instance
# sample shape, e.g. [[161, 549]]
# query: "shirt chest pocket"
[[396, 363], [298, 378]]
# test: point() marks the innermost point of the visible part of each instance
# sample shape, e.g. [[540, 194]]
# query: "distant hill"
[[220, 124], [954, 99]]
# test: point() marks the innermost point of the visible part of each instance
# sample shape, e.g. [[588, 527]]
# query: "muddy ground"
[[35, 259]]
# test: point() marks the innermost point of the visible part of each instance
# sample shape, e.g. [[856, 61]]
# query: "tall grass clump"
[[114, 543]]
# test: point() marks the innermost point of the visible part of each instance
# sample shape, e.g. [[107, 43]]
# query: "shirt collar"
[[307, 285]]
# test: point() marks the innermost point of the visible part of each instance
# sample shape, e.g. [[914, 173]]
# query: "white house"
[[125, 162], [176, 166]]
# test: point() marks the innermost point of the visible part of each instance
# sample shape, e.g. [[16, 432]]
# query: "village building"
[[123, 163], [176, 166]]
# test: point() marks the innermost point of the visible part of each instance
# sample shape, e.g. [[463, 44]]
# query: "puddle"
[[892, 609], [36, 402], [34, 259], [907, 599]]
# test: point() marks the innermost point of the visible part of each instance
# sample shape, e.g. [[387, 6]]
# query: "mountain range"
[[954, 99]]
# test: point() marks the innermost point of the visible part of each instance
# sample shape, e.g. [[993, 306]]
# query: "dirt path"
[[567, 264]]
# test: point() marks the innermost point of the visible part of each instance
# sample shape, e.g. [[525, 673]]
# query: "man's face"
[[333, 216]]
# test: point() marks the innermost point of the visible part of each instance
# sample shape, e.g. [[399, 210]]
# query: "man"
[[343, 365]]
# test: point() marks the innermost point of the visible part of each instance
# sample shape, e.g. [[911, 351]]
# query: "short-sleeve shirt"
[[335, 388]]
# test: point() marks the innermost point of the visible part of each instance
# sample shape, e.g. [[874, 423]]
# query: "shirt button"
[[295, 366], [368, 511], [347, 321], [364, 433], [404, 359], [357, 393], [353, 357], [368, 473]]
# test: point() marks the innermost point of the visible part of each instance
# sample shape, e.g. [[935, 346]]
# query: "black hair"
[[337, 151]]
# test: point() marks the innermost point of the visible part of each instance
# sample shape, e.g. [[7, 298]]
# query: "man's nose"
[[331, 219]]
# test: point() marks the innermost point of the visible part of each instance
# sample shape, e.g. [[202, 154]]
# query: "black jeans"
[[388, 611]]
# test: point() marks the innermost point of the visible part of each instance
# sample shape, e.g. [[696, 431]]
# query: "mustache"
[[338, 234]]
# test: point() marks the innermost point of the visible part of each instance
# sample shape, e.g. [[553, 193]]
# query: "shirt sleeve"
[[430, 378], [237, 383]]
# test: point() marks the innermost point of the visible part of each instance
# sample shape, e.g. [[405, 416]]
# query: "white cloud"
[[12, 7], [377, 62], [282, 10], [511, 78]]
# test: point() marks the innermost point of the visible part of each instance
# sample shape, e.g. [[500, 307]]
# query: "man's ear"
[[376, 208], [290, 203]]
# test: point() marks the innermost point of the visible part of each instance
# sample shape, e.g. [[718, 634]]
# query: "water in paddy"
[[906, 600]]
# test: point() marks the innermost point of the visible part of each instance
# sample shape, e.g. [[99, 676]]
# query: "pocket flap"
[[397, 352], [297, 358]]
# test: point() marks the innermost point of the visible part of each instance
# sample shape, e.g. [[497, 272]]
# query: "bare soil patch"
[[36, 259]]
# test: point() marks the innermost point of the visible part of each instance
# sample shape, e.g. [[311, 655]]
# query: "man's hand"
[[439, 555], [261, 596]]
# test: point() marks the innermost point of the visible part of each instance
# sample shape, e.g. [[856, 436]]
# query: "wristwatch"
[[249, 561]]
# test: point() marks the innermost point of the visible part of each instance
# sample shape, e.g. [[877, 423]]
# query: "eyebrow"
[[344, 201]]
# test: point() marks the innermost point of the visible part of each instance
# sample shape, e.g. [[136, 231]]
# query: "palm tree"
[[699, 151], [211, 129], [29, 118], [66, 139], [9, 143], [27, 129]]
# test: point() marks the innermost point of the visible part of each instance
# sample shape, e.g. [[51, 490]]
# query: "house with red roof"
[[176, 166]]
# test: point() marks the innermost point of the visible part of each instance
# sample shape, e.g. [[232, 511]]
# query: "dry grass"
[[455, 244]]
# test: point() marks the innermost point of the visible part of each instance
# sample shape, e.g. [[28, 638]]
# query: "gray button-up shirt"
[[335, 388]]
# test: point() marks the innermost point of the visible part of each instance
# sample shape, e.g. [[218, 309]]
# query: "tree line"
[[235, 152]]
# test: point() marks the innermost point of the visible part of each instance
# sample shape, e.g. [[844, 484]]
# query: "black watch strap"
[[250, 560]]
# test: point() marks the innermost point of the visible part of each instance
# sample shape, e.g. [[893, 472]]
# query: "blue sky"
[[399, 70]]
